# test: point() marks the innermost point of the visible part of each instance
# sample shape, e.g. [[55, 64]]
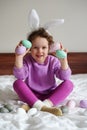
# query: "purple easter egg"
[[20, 50], [83, 103]]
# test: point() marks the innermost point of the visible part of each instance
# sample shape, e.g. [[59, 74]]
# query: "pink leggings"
[[30, 97]]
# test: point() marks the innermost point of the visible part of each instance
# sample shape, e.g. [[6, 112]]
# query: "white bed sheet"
[[75, 119]]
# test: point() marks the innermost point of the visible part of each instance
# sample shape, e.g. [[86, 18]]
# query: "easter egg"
[[61, 54], [21, 111], [27, 43], [54, 47], [9, 107], [32, 111], [4, 110], [71, 104], [83, 103], [64, 109], [20, 50]]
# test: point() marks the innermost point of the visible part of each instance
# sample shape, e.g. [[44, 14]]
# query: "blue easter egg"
[[61, 54], [27, 43]]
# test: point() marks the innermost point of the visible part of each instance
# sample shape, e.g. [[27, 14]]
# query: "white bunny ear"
[[33, 19], [53, 23]]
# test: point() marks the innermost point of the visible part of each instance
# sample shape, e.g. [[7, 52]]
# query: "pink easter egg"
[[20, 50], [71, 104], [54, 47]]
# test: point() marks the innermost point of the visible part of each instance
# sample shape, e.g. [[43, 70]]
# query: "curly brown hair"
[[41, 32]]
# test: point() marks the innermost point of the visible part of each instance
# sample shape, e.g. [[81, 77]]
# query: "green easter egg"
[[27, 43], [65, 109], [9, 107], [61, 54], [4, 110]]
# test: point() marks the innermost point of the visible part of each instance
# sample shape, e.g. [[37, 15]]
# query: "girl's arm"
[[19, 57]]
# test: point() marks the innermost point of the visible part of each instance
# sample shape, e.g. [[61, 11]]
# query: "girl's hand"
[[62, 48], [21, 50], [19, 57], [63, 61]]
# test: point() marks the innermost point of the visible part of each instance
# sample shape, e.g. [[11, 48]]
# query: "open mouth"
[[39, 56]]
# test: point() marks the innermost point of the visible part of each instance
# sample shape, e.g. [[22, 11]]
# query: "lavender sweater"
[[41, 77]]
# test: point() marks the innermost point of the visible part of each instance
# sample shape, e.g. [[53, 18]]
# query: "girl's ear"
[[33, 19]]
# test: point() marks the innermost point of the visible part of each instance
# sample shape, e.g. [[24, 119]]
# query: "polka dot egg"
[[71, 104]]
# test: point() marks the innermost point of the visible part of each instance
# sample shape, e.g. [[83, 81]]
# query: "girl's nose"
[[40, 50]]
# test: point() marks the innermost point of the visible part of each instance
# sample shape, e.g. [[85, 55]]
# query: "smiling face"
[[39, 49]]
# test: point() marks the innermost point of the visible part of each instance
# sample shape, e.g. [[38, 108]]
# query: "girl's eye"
[[44, 47], [35, 47]]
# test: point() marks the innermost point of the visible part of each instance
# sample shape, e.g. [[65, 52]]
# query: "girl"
[[35, 72]]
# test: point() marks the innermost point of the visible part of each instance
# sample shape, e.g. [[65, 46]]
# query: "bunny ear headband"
[[34, 21]]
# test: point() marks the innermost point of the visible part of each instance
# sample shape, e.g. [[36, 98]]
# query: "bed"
[[17, 119]]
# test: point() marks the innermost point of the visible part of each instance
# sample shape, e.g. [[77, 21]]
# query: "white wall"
[[14, 22]]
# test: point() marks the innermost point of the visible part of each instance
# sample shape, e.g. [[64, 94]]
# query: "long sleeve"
[[60, 73], [21, 73]]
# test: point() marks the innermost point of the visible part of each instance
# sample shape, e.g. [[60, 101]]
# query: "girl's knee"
[[17, 83], [69, 84]]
